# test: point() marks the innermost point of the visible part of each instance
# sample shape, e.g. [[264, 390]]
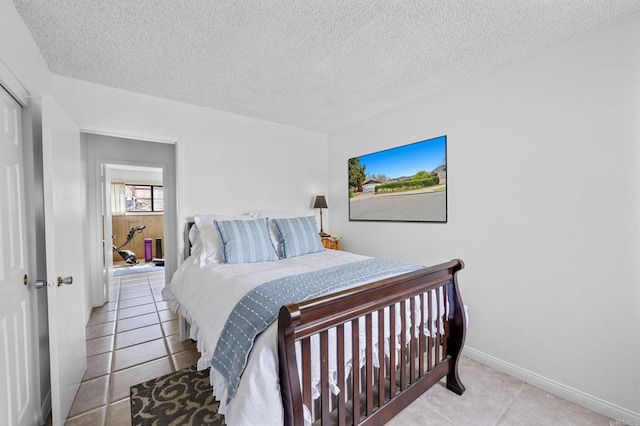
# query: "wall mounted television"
[[407, 183]]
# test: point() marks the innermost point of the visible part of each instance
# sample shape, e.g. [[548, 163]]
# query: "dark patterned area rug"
[[181, 398]]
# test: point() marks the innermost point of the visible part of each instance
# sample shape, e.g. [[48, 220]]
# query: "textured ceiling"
[[320, 65]]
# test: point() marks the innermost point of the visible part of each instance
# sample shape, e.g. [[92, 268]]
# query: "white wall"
[[544, 208], [226, 163]]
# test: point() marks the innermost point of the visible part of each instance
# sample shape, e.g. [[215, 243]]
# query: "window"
[[144, 198]]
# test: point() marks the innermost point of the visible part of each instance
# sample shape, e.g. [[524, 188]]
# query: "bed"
[[405, 323]]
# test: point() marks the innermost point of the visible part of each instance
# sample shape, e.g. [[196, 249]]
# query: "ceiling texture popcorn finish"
[[320, 65]]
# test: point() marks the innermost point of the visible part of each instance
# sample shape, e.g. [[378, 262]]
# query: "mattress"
[[206, 295]]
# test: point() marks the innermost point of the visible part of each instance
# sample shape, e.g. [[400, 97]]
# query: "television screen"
[[406, 183]]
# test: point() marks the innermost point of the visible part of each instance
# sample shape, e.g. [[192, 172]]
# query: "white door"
[[17, 366], [63, 210]]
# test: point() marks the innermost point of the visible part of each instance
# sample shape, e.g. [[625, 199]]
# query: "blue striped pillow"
[[299, 236], [246, 241]]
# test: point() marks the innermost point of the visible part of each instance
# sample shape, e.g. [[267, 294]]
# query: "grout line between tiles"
[[508, 406], [165, 337], [115, 297]]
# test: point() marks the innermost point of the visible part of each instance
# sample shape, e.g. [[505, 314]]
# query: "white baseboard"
[[615, 412], [45, 409]]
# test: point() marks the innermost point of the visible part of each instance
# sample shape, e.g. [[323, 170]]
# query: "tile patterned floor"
[[494, 399], [134, 337]]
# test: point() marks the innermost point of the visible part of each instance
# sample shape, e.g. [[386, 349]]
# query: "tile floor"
[[493, 398], [131, 339], [134, 337]]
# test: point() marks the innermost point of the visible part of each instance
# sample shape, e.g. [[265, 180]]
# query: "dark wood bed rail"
[[373, 395]]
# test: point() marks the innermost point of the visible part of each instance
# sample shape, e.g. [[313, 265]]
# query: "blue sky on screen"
[[406, 160]]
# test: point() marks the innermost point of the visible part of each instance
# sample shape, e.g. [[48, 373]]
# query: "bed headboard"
[[187, 241]]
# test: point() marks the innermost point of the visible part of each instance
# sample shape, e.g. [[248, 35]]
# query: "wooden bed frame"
[[372, 395]]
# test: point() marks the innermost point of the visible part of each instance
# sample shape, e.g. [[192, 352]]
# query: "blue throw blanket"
[[259, 308]]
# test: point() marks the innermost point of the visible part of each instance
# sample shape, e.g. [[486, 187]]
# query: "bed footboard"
[[361, 355]]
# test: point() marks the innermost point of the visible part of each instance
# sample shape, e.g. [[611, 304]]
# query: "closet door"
[[18, 368]]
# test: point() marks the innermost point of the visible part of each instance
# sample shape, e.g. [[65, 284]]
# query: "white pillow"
[[208, 246], [196, 248], [257, 214]]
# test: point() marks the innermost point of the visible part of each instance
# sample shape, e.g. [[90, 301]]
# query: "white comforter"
[[205, 296]]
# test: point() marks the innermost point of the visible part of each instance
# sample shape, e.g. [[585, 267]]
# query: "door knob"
[[40, 284], [65, 280]]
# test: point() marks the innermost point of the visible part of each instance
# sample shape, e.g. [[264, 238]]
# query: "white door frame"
[[107, 232], [99, 295]]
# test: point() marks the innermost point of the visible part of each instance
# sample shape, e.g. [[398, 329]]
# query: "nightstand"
[[331, 242]]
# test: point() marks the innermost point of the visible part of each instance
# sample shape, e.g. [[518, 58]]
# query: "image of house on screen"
[[407, 183]]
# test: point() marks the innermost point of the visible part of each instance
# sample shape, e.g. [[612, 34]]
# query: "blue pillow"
[[299, 236], [246, 241]]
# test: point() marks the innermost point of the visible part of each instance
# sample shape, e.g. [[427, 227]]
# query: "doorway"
[[149, 170], [134, 198]]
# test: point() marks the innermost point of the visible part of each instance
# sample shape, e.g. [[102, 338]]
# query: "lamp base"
[[324, 234]]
